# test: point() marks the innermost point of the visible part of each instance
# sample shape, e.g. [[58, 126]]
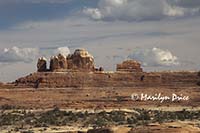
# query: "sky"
[[161, 34]]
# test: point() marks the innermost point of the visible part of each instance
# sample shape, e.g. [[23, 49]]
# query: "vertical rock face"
[[81, 60], [54, 63], [62, 61], [58, 62], [129, 66], [42, 65]]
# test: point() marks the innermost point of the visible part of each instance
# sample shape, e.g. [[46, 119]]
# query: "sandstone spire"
[[42, 64]]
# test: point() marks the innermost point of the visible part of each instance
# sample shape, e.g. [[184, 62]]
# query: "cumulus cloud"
[[137, 10], [16, 54], [62, 50], [154, 57], [95, 13]]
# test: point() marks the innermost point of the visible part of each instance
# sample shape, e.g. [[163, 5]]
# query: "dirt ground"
[[104, 99], [172, 127], [96, 98]]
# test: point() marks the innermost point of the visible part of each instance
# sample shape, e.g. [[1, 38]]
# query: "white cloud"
[[62, 50], [103, 39], [174, 11], [137, 10], [95, 13], [154, 57], [16, 54]]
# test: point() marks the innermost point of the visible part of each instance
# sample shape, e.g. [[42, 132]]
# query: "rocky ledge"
[[78, 70]]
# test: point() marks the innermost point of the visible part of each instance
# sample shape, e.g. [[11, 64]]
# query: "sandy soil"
[[171, 127], [96, 98]]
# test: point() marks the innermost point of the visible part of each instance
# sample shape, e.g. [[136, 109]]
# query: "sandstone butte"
[[78, 70]]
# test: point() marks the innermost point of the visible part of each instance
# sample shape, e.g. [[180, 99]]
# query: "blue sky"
[[161, 34], [13, 13]]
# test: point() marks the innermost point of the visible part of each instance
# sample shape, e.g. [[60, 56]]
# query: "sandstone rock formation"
[[78, 70], [58, 62], [42, 65], [129, 66], [107, 79], [81, 60]]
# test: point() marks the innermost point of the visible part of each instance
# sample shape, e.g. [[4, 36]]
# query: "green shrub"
[[117, 116], [144, 115], [131, 120], [100, 122], [29, 131], [9, 119], [7, 107]]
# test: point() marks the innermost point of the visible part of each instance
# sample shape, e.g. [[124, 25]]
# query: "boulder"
[[42, 64], [81, 60], [58, 62], [129, 66]]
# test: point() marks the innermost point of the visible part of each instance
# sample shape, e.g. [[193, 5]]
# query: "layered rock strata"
[[78, 70], [80, 60], [129, 66], [106, 79]]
